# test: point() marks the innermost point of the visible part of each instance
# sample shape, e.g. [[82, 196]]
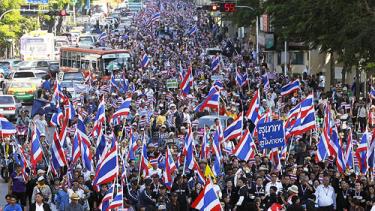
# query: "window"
[[23, 75], [293, 57], [6, 100]]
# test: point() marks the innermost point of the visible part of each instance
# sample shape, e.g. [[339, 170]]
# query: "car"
[[28, 65], [23, 91], [10, 63], [87, 40], [22, 76], [53, 68], [9, 106], [71, 76]]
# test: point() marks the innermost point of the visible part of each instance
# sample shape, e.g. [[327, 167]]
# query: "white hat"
[[41, 178], [40, 171], [293, 189]]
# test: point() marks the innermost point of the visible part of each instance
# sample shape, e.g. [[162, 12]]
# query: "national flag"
[[187, 82], [36, 149], [252, 112], [245, 149], [215, 64], [85, 144], [275, 159], [100, 145], [57, 94], [154, 18], [144, 159], [70, 112], [290, 88], [218, 85], [266, 82], [192, 31], [114, 84], [99, 119], [124, 108], [218, 156], [188, 150], [234, 130], [102, 36], [57, 152], [323, 147], [199, 173], [170, 168], [6, 127], [107, 169], [372, 93], [145, 61], [361, 153], [117, 201], [371, 152], [349, 151], [340, 162], [211, 101], [104, 205], [57, 118], [241, 79], [207, 199], [204, 147]]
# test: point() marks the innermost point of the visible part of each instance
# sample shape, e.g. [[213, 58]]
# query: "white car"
[[22, 76], [9, 106]]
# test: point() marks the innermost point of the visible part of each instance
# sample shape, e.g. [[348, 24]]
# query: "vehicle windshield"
[[40, 75], [6, 100], [23, 75], [27, 64], [21, 85], [73, 77]]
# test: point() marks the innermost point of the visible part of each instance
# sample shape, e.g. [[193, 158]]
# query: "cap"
[[74, 196], [41, 178], [293, 189], [40, 171], [42, 134]]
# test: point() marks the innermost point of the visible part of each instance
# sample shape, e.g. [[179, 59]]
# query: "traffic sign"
[[172, 83]]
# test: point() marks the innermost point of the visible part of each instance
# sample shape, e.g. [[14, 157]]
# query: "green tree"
[[55, 5], [13, 25]]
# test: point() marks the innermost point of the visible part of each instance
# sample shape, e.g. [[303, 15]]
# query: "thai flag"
[[57, 118], [155, 17], [204, 148], [290, 88], [76, 150], [6, 127], [275, 159], [124, 108], [200, 175], [85, 145], [241, 80], [57, 153], [215, 64], [207, 199], [218, 85], [107, 169], [144, 160], [145, 61], [371, 153], [188, 150], [36, 149], [170, 168], [100, 145], [114, 84], [283, 152], [117, 201], [252, 112], [99, 118], [22, 161], [102, 36], [340, 162], [266, 82], [245, 149], [211, 101], [234, 130], [192, 31], [349, 151], [70, 112], [187, 82], [305, 120], [218, 155], [104, 205], [361, 153], [57, 94]]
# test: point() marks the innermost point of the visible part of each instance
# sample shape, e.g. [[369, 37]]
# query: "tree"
[[55, 5], [13, 25]]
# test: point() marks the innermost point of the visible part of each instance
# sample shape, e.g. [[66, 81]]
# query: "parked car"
[[11, 64], [9, 106], [23, 91], [29, 65], [21, 76]]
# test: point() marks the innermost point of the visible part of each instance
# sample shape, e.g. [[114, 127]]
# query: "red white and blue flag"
[[187, 81], [104, 205], [85, 145], [253, 110], [124, 109], [290, 87], [117, 201], [145, 61], [6, 127], [57, 152], [361, 153], [211, 101], [170, 168], [349, 151], [245, 149], [36, 149], [57, 118], [215, 64], [107, 169], [241, 79], [207, 199], [234, 130]]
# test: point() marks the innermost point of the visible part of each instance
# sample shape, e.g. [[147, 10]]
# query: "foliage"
[[245, 16], [13, 25]]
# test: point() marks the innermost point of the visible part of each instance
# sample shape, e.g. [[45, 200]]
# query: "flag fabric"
[[290, 88], [187, 82], [170, 168], [266, 82], [241, 79], [154, 18], [6, 127], [372, 93], [117, 200], [107, 169], [144, 160], [188, 150], [102, 36], [211, 101], [124, 109], [215, 64], [57, 153], [207, 199], [252, 112], [192, 31], [349, 151], [99, 119], [275, 159], [245, 149], [145, 61], [218, 156], [104, 205], [204, 148], [57, 118], [36, 149], [234, 130], [76, 150], [85, 144], [323, 147], [114, 84], [361, 153], [218, 85]]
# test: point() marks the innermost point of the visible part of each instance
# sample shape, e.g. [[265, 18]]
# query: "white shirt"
[[325, 196], [276, 184], [39, 207]]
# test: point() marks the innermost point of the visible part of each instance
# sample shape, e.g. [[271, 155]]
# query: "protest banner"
[[271, 134]]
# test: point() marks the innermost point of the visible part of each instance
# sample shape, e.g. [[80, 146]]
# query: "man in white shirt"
[[325, 196], [275, 183]]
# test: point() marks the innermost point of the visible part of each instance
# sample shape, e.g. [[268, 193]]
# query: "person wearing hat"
[[74, 204], [40, 203], [42, 188]]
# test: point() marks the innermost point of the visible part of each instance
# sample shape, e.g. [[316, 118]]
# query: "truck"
[[37, 45]]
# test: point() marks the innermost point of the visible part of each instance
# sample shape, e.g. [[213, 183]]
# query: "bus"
[[97, 60], [37, 45]]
